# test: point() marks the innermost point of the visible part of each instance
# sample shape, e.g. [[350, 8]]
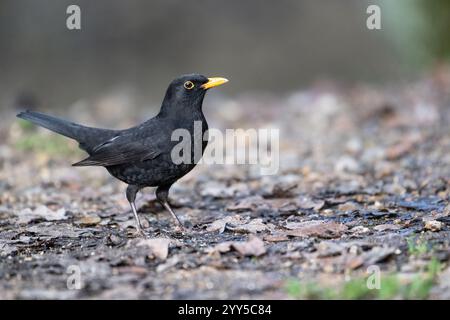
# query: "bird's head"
[[186, 93]]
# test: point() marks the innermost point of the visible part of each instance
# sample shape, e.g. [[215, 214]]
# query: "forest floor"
[[361, 195]]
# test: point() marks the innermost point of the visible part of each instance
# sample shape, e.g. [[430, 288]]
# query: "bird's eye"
[[189, 85]]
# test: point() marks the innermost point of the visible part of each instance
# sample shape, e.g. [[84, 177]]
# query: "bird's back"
[[154, 137]]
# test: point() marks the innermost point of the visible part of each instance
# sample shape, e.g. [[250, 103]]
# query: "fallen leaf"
[[321, 229], [41, 212], [354, 261], [247, 204], [307, 203], [282, 190], [348, 206], [253, 247], [219, 225], [329, 249], [384, 227], [55, 230], [276, 238], [254, 226], [90, 220], [221, 247], [377, 254], [373, 256], [127, 224], [288, 208], [359, 230], [132, 269], [159, 247], [237, 224]]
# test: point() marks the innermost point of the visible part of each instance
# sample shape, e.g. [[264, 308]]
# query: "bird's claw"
[[139, 233]]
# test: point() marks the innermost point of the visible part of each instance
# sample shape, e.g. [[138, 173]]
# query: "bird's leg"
[[167, 206], [131, 197], [162, 194]]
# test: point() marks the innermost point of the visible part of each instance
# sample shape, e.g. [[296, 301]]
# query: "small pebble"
[[433, 225]]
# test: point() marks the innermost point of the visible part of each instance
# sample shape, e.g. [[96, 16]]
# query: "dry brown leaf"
[[354, 261], [91, 220], [329, 249], [253, 247], [348, 206], [283, 190], [254, 226], [159, 247], [41, 212], [307, 203], [359, 230], [221, 247], [219, 225], [237, 224], [247, 204], [276, 238], [384, 227], [377, 254], [321, 229]]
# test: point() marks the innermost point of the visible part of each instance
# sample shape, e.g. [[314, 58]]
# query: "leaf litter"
[[357, 187]]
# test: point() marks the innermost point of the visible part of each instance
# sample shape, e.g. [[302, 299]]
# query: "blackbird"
[[141, 156]]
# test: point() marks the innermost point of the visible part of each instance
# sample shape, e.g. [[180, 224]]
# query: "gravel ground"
[[363, 186]]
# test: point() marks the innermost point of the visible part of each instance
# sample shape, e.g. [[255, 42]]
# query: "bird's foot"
[[141, 233], [138, 232], [172, 232], [179, 228]]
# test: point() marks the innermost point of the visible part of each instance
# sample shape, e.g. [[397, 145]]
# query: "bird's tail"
[[87, 137], [64, 127]]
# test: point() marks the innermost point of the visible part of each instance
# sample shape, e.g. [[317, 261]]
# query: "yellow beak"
[[214, 82]]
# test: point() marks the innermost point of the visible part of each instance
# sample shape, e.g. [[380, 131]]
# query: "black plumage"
[[141, 156]]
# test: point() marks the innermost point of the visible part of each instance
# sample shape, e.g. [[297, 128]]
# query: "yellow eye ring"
[[189, 85]]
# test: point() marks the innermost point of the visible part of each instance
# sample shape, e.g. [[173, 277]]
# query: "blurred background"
[[364, 140], [131, 50]]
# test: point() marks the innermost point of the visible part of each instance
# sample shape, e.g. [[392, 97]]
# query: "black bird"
[[141, 156]]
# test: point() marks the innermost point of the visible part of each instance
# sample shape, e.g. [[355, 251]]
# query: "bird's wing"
[[122, 149]]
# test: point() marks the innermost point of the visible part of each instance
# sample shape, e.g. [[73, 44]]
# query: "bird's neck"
[[182, 109]]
